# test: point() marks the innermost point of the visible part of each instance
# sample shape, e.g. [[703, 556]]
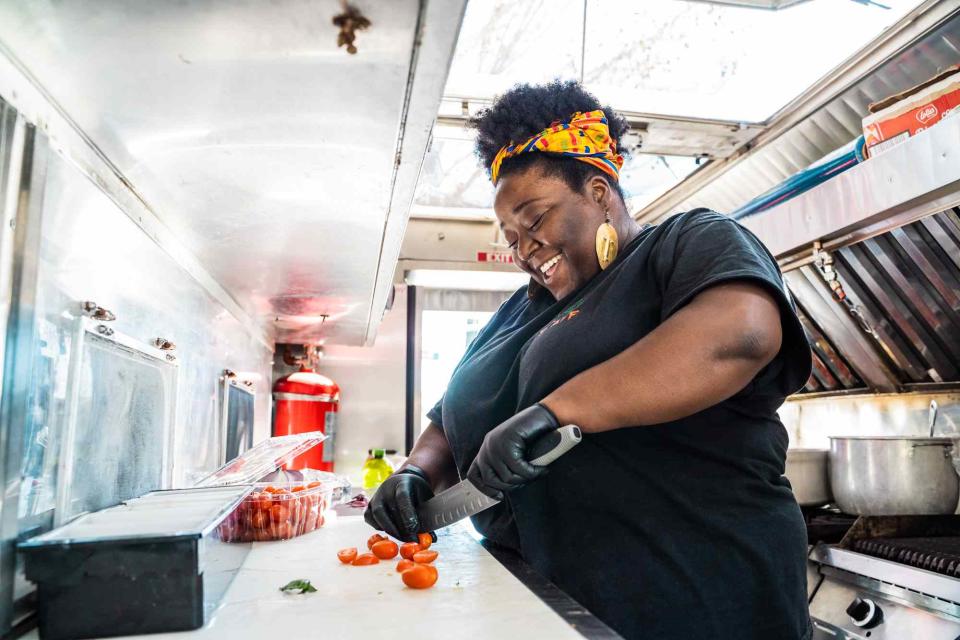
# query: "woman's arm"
[[431, 453], [704, 353]]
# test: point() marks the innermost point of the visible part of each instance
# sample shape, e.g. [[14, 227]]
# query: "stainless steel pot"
[[893, 475], [807, 471]]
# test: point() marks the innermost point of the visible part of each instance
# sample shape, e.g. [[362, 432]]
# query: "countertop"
[[481, 593]]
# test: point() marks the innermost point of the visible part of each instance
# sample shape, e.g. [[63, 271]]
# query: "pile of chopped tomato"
[[276, 513], [415, 568]]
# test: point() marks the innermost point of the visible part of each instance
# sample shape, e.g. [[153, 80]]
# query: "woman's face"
[[551, 229]]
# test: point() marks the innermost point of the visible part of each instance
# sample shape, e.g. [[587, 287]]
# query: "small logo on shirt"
[[567, 314]]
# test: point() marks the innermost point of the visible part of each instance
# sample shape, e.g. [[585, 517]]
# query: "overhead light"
[[758, 4], [467, 280], [426, 212], [781, 4]]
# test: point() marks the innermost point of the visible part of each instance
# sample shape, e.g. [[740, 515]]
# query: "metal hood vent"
[[892, 316], [831, 371]]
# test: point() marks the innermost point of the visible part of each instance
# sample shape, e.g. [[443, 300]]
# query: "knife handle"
[[553, 445]]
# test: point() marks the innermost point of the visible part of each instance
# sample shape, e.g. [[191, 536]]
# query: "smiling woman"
[[524, 131], [671, 347]]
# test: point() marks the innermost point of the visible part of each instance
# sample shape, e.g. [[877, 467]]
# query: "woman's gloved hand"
[[501, 463], [393, 508]]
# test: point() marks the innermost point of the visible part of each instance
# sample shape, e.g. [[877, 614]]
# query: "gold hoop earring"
[[606, 242]]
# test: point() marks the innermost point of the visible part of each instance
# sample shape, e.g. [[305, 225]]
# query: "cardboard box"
[[897, 118]]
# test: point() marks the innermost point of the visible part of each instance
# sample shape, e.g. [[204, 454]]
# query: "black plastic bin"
[[131, 584]]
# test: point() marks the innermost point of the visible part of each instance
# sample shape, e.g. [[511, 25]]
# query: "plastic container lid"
[[157, 514], [265, 457]]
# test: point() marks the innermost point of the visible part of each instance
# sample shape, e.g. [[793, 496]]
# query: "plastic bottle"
[[375, 470]]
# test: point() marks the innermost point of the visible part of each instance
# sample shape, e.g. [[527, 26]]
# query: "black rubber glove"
[[501, 463], [393, 508]]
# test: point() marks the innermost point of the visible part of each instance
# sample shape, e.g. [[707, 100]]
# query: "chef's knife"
[[464, 499]]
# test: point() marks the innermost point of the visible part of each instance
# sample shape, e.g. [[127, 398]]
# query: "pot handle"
[[955, 457]]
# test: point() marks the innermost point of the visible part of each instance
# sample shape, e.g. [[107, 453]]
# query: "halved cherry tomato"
[[260, 519], [407, 549], [374, 539], [365, 559], [425, 557], [424, 540], [421, 576], [405, 564], [347, 555], [279, 513], [385, 549]]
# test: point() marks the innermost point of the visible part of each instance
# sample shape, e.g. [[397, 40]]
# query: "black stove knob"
[[865, 613]]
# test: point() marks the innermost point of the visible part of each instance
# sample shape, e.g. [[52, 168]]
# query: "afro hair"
[[524, 111]]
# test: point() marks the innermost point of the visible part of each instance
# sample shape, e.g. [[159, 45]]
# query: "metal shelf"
[[914, 179]]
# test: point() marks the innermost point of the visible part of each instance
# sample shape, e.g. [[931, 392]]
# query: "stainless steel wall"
[[23, 161], [90, 250], [811, 421]]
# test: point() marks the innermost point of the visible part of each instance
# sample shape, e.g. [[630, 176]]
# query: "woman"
[[671, 347]]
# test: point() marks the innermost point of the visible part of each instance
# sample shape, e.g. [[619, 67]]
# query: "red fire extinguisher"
[[307, 401]]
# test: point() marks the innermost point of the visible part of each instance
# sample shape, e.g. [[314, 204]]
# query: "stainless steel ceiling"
[[270, 153], [906, 285], [830, 127]]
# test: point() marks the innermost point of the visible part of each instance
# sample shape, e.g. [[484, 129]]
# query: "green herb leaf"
[[298, 586]]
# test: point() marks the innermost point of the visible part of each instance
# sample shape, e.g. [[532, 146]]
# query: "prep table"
[[477, 595]]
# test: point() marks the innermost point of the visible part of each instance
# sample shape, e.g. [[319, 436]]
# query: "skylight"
[[453, 185], [451, 182], [672, 57]]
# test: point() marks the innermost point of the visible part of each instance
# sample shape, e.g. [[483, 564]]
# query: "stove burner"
[[941, 555], [826, 524]]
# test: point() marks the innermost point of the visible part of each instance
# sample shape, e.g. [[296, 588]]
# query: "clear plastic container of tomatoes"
[[293, 505], [280, 511]]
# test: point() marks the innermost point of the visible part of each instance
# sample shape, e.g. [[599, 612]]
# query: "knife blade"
[[463, 499]]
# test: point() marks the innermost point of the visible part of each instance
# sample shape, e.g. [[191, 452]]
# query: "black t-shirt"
[[482, 392], [686, 529]]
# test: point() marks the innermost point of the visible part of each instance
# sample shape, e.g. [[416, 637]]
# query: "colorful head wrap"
[[586, 138]]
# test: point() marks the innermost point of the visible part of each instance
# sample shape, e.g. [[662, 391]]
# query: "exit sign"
[[503, 257]]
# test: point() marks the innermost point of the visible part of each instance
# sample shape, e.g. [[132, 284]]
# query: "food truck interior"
[[230, 221]]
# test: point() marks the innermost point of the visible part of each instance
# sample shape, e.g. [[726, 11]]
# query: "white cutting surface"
[[475, 597]]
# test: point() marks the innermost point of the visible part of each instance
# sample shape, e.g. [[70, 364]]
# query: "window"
[[445, 336], [673, 57]]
